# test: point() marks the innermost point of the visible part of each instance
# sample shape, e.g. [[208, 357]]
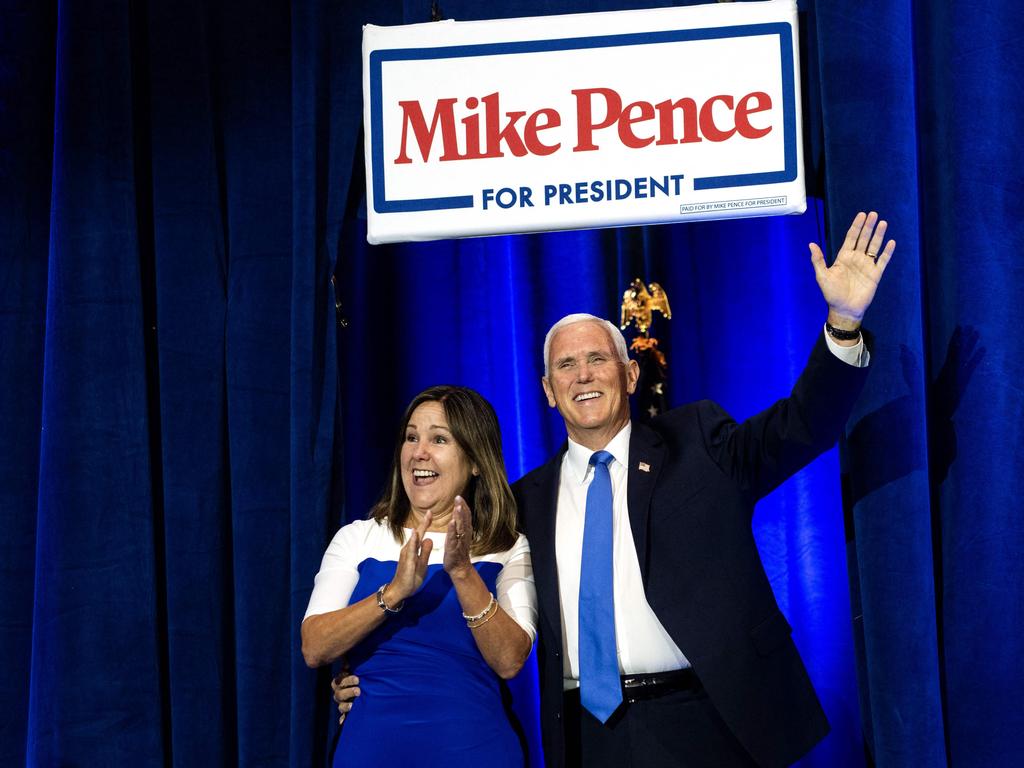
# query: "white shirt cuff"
[[857, 355]]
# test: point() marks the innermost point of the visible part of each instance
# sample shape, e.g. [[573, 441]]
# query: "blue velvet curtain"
[[184, 422], [922, 117]]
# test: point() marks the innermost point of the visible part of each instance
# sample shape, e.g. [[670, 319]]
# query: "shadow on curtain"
[[922, 114]]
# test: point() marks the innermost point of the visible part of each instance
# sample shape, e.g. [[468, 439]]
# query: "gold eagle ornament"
[[639, 302]]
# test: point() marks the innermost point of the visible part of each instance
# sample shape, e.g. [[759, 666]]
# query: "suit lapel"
[[544, 508], [646, 459]]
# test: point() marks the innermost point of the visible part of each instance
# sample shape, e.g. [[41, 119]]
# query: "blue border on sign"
[[783, 29]]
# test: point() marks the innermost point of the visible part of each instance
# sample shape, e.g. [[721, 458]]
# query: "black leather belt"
[[651, 686]]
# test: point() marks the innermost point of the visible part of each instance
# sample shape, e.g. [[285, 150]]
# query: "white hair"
[[618, 340]]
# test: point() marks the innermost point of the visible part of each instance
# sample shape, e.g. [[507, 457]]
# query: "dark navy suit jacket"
[[690, 516]]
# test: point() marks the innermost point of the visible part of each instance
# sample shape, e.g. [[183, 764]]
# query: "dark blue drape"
[[926, 121], [183, 422]]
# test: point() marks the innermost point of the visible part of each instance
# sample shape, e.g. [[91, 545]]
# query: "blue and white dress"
[[427, 695]]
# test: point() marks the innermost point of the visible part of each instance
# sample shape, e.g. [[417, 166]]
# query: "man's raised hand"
[[849, 284]]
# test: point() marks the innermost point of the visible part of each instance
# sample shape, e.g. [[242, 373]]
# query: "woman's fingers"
[[462, 516], [417, 539], [411, 549], [459, 537], [424, 558], [421, 529], [404, 580], [412, 563]]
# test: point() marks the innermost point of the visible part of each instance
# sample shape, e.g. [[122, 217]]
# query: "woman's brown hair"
[[474, 425]]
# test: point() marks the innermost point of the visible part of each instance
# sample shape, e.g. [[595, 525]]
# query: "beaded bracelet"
[[488, 615], [490, 604], [484, 620]]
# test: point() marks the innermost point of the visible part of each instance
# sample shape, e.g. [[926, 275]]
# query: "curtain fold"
[[872, 161], [922, 120], [27, 66], [95, 615], [191, 253], [968, 64]]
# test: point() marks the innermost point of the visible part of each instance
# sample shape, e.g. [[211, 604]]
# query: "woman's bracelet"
[[384, 606], [490, 604], [485, 619]]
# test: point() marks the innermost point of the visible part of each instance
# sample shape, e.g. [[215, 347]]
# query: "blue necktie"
[[600, 690]]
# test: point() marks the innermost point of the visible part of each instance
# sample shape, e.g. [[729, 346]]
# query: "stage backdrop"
[[184, 423]]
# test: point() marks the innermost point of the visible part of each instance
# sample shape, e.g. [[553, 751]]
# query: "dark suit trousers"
[[681, 728]]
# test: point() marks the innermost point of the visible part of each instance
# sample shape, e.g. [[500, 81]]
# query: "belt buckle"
[[634, 687], [640, 681]]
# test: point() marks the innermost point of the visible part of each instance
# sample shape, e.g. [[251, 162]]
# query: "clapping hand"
[[458, 540], [849, 284], [412, 565]]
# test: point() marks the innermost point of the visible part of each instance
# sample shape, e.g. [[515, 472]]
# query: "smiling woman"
[[432, 596], [450, 438], [434, 468]]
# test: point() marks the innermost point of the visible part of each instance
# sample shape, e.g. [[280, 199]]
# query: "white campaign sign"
[[589, 120]]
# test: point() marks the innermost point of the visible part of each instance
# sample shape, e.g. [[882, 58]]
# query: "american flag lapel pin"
[[644, 467]]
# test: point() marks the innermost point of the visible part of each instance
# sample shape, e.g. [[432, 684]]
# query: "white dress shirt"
[[641, 642]]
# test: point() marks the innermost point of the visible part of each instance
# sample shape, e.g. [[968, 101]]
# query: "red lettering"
[[412, 117], [666, 121], [743, 109], [533, 143], [626, 134], [492, 133], [471, 124], [585, 125], [496, 134], [707, 119]]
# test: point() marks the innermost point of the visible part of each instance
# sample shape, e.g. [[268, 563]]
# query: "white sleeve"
[[516, 592], [858, 355], [339, 572]]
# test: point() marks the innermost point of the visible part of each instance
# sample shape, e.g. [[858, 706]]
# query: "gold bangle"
[[483, 612], [488, 615]]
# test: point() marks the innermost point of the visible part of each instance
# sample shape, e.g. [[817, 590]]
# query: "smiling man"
[[660, 641], [588, 377]]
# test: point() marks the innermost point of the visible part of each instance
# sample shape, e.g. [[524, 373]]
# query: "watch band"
[[840, 334]]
